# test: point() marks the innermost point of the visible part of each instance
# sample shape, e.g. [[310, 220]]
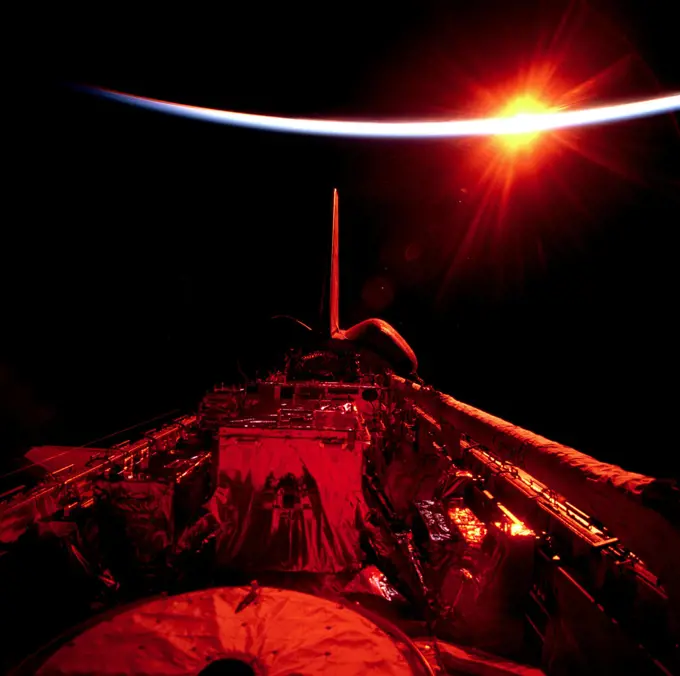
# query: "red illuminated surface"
[[513, 526], [514, 529], [469, 526], [381, 585]]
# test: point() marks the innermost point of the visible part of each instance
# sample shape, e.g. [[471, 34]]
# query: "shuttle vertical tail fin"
[[335, 272]]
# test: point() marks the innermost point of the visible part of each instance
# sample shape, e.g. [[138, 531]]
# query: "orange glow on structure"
[[520, 106], [512, 525], [520, 529], [471, 528], [513, 529]]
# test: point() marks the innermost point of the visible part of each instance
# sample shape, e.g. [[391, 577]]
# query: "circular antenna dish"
[[223, 631]]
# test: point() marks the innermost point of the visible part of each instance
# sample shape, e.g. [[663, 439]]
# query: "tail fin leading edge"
[[335, 273]]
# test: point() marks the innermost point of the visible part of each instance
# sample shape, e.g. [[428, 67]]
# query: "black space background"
[[143, 255]]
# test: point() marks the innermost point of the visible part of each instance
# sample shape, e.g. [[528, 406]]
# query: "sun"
[[518, 107]]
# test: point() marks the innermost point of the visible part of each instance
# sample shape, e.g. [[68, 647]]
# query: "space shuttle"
[[337, 517]]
